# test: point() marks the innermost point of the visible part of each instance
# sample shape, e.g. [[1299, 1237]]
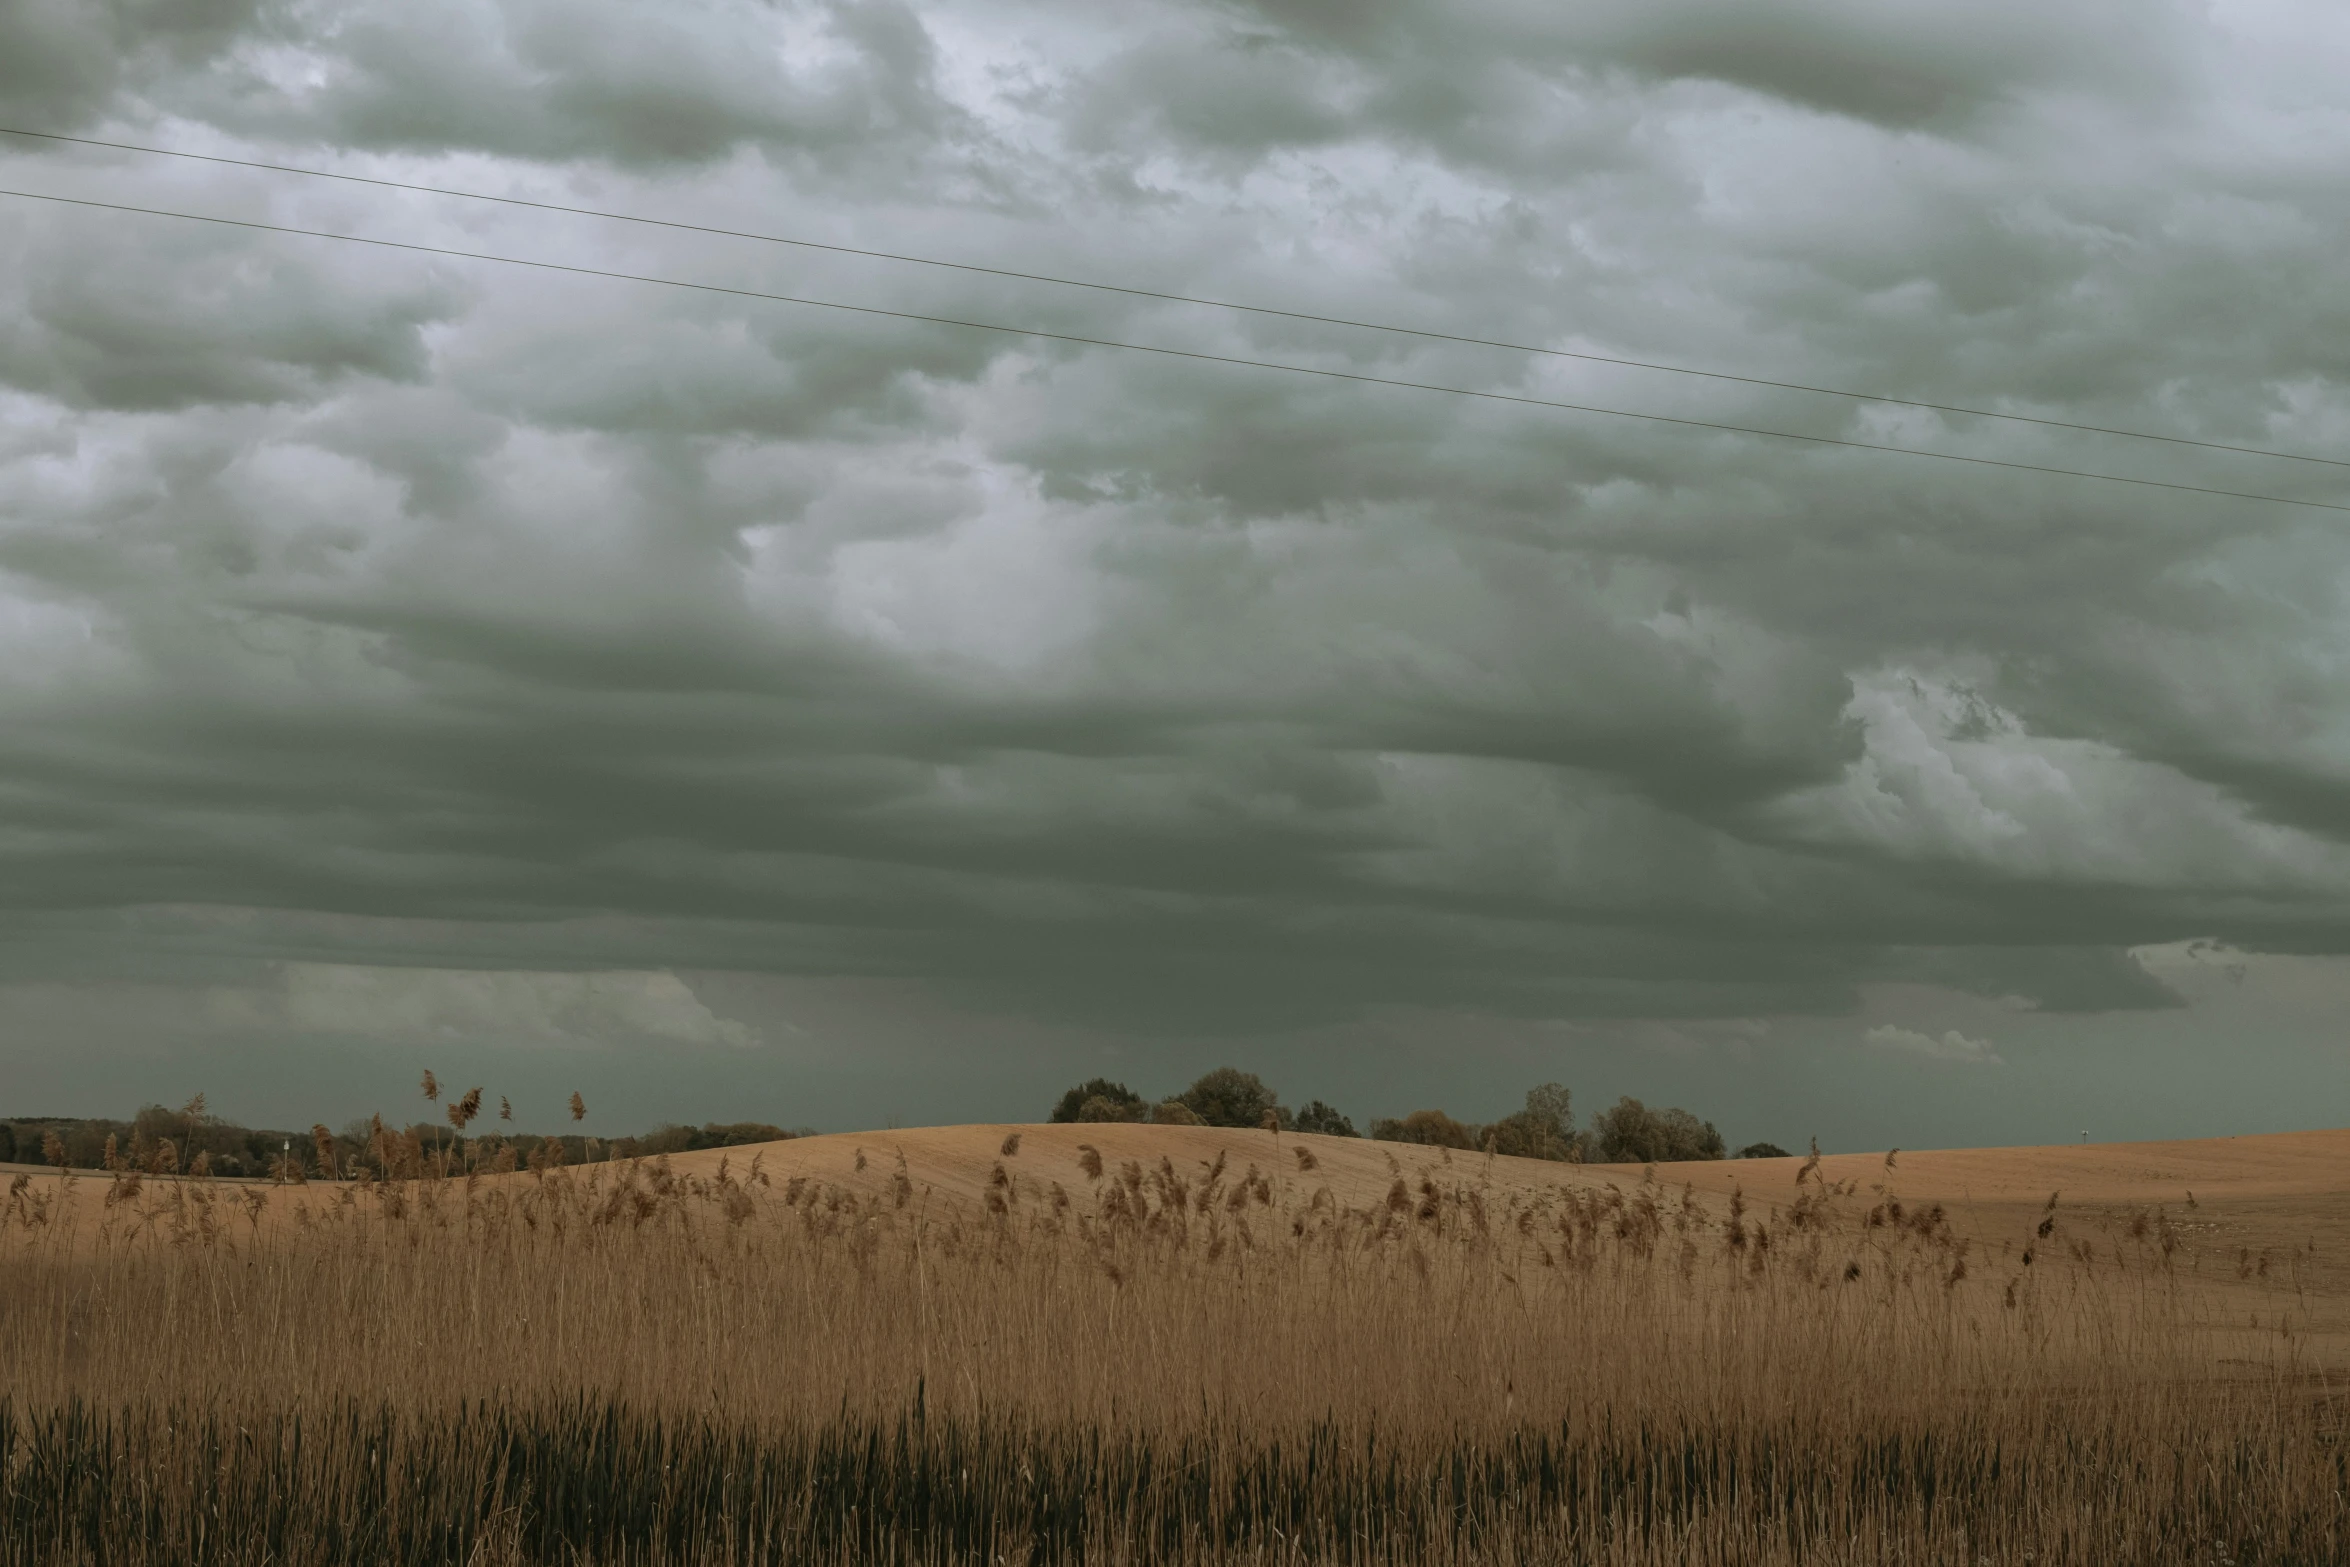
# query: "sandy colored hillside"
[[2222, 1197], [2280, 1164], [2288, 1173], [2300, 1181], [2246, 1216], [2253, 1220], [2299, 1170], [959, 1161], [2277, 1204]]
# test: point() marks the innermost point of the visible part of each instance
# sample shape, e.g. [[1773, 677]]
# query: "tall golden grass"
[[1125, 1363]]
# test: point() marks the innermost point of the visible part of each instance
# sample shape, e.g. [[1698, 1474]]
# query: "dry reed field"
[[1132, 1344]]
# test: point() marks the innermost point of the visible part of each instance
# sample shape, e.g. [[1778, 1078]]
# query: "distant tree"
[[83, 1142], [1321, 1118], [1073, 1103], [740, 1134], [1762, 1151], [1230, 1097], [686, 1139], [1099, 1109], [1632, 1133], [7, 1143], [1545, 1129], [1174, 1112], [153, 1123], [1430, 1128]]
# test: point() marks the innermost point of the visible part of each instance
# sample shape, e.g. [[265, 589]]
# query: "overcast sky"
[[740, 709]]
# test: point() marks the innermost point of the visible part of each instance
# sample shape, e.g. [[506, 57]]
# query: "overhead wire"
[[1180, 299], [1196, 355]]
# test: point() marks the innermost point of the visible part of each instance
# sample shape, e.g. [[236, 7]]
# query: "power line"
[[1171, 353], [1179, 299]]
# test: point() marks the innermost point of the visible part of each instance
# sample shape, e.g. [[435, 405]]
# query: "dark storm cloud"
[[842, 86], [1906, 64], [62, 61], [627, 83], [356, 609], [1482, 82], [85, 325]]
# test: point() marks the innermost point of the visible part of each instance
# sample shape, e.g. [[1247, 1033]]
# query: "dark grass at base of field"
[[598, 1482]]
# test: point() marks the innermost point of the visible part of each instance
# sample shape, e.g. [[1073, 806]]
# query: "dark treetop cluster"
[[1629, 1133]]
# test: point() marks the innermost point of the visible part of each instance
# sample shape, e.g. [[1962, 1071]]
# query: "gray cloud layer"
[[625, 628]]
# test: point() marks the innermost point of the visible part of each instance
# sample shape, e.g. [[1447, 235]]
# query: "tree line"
[[1629, 1132], [191, 1140]]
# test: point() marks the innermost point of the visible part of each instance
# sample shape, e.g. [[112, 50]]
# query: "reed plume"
[[678, 1362]]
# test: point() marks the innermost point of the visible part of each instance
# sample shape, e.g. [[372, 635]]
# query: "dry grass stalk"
[[1477, 1375]]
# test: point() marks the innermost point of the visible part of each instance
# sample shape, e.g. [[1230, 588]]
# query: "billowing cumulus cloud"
[[453, 1005], [420, 647], [1950, 1045]]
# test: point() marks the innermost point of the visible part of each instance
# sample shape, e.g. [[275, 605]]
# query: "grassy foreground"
[[1114, 1362]]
